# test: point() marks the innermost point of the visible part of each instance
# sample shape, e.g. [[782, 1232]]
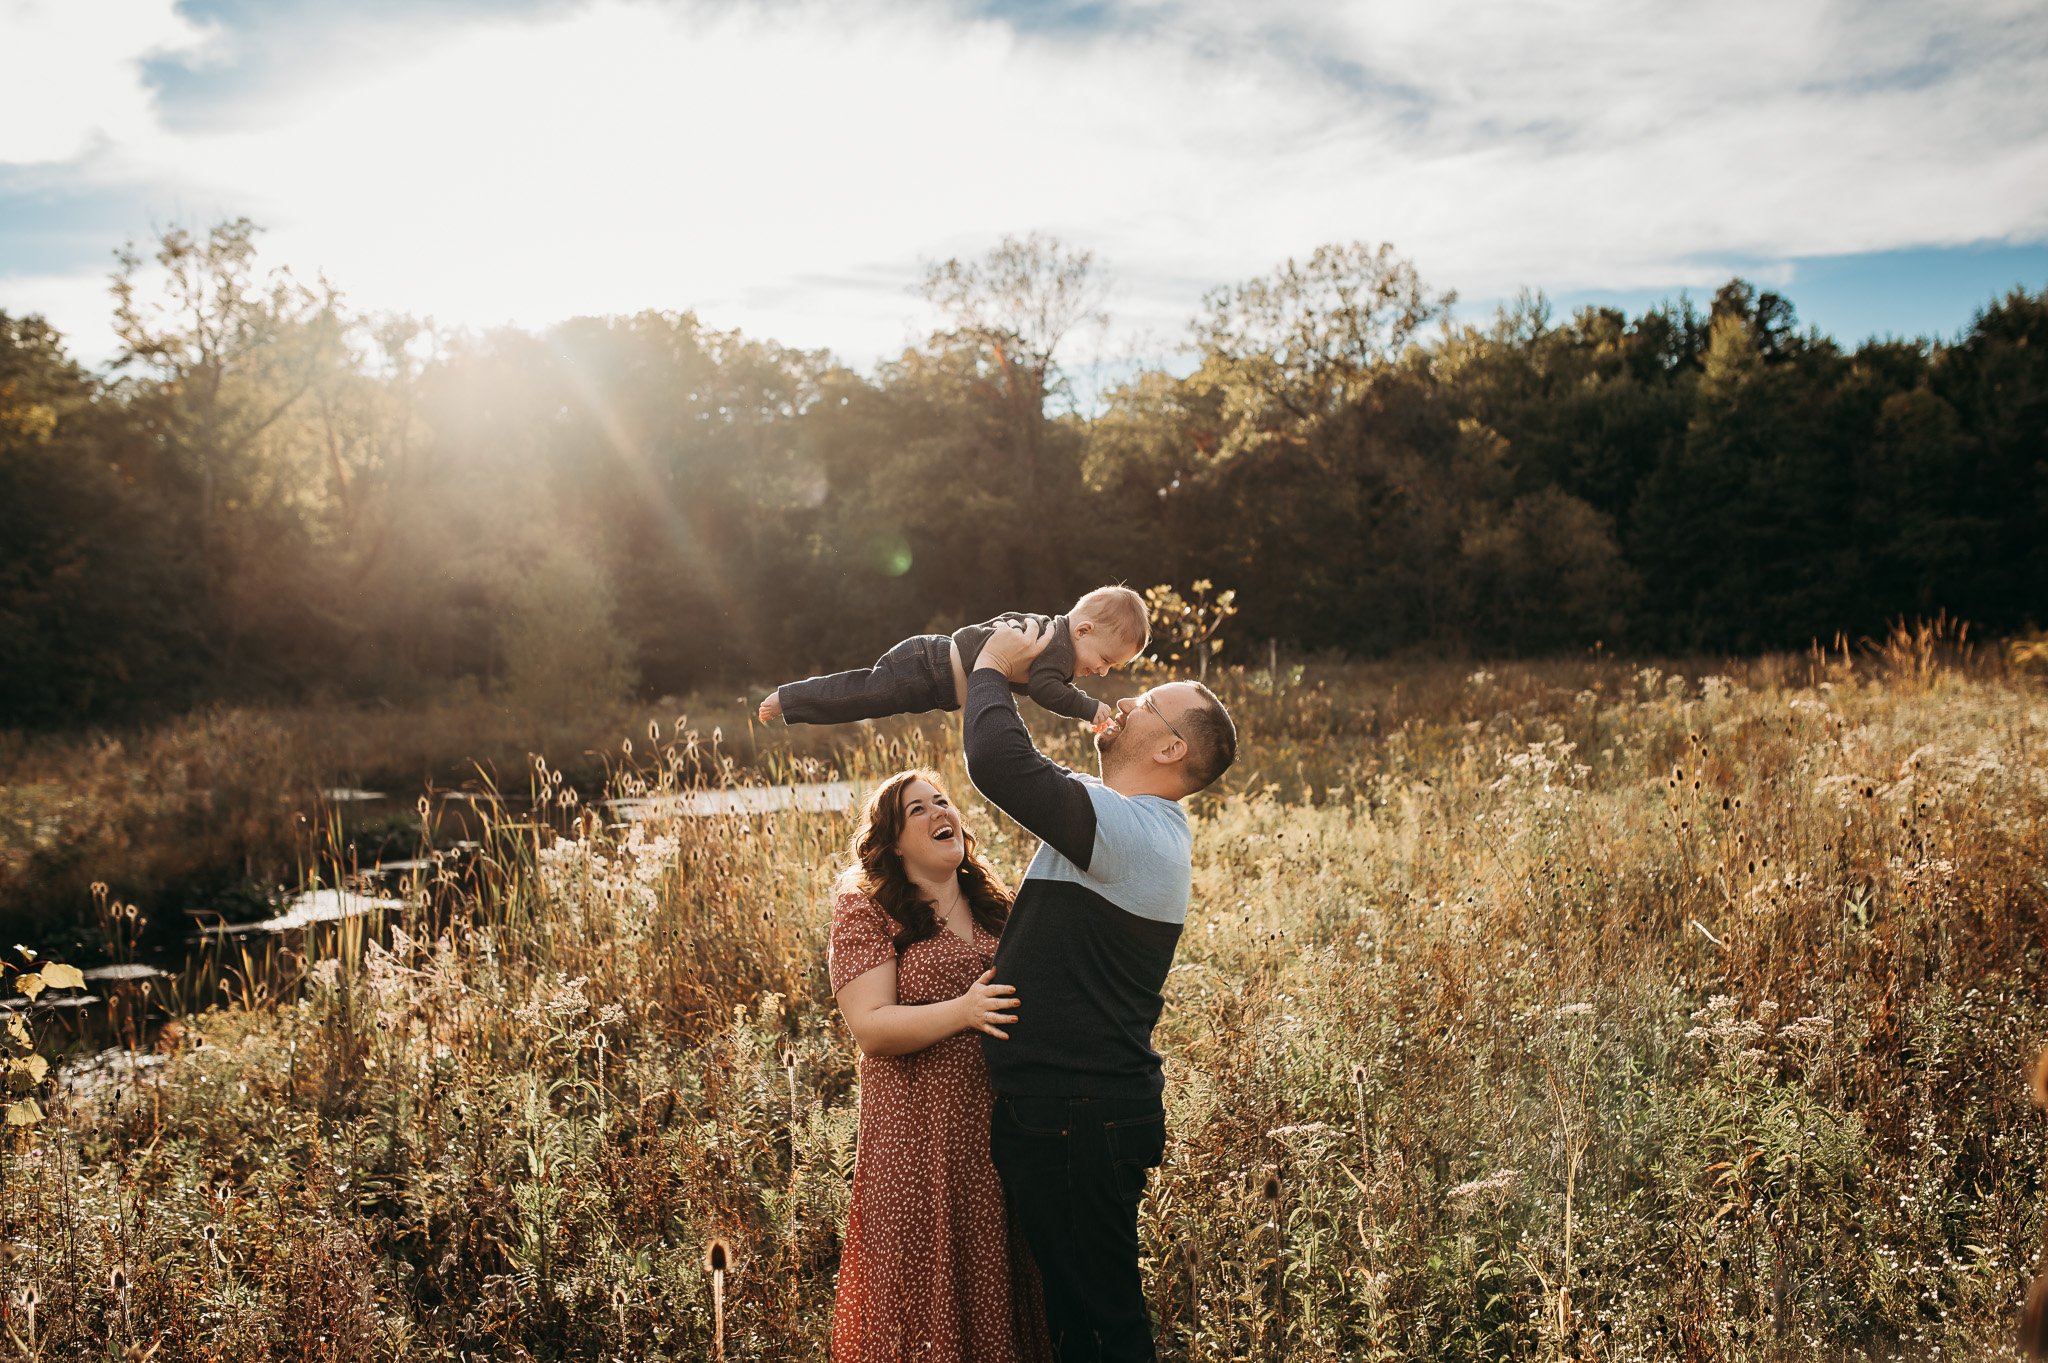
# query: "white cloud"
[[784, 167], [74, 73]]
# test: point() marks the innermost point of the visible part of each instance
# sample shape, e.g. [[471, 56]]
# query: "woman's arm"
[[882, 1026]]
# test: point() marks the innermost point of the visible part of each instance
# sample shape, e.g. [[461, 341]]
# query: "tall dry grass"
[[1559, 1011]]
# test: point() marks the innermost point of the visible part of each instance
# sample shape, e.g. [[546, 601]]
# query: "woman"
[[926, 1270]]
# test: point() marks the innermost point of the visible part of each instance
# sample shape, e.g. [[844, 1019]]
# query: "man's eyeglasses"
[[1146, 701]]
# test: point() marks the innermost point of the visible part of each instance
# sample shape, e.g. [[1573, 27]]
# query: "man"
[[1079, 1116]]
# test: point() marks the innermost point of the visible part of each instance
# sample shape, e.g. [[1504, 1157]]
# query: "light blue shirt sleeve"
[[1143, 856]]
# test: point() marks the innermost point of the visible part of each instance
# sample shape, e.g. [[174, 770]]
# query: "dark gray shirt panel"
[[1051, 683]]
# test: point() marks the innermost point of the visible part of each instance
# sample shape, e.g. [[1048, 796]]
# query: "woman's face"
[[933, 841]]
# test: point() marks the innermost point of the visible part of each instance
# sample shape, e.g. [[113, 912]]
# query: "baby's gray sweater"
[[1051, 683]]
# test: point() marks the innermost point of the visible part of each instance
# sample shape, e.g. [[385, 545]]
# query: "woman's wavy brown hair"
[[877, 872]]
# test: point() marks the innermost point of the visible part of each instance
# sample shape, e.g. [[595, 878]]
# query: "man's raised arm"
[[1007, 768]]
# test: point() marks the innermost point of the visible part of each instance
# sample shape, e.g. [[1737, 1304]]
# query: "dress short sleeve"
[[863, 937]]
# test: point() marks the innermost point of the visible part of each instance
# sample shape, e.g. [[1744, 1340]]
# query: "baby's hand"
[[1101, 720]]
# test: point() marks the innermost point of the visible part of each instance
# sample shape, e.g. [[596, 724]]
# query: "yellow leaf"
[[63, 977], [17, 1029], [27, 1112], [37, 1068], [31, 985]]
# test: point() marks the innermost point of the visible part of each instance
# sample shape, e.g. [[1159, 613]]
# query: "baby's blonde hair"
[[1119, 611]]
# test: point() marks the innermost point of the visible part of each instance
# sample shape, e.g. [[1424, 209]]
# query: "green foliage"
[[1183, 629], [562, 647], [273, 497]]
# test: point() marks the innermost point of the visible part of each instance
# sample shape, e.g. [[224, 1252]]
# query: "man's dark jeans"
[[1073, 1172], [914, 676]]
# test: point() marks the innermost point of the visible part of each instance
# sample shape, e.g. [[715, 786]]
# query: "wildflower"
[[1498, 1187], [568, 1001]]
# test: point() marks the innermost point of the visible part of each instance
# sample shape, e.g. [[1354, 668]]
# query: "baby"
[[1106, 628]]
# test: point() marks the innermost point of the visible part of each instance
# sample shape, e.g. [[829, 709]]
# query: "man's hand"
[[1014, 647]]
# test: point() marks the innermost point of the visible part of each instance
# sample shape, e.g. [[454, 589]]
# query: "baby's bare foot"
[[771, 708]]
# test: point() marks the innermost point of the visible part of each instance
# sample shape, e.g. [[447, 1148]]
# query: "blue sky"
[[787, 166]]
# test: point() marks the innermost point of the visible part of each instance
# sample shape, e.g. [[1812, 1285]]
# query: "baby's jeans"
[[914, 676]]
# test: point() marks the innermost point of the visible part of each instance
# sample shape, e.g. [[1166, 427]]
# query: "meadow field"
[[1569, 1010]]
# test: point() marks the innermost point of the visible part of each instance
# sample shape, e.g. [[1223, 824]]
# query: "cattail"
[[789, 1071], [1270, 1188], [1191, 1264], [118, 1281], [717, 1262], [619, 1309], [28, 1300], [1358, 1077]]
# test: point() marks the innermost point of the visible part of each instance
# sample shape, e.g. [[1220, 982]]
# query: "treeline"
[[268, 495]]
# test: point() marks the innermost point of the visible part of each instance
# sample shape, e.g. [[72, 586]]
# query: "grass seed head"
[[717, 1256]]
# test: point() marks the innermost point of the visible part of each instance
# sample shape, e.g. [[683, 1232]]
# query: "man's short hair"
[[1120, 611], [1211, 738]]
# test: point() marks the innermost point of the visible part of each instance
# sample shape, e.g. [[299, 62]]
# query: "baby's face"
[[1096, 652]]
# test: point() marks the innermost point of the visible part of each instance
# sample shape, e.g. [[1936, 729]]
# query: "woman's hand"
[[988, 1006]]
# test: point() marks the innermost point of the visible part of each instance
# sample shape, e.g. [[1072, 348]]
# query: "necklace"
[[944, 917]]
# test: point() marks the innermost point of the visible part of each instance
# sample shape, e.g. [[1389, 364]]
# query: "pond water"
[[155, 988], [809, 797]]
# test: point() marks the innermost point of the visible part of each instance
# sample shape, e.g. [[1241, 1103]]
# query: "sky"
[[789, 167]]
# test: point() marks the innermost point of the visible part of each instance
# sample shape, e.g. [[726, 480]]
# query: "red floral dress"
[[926, 1269]]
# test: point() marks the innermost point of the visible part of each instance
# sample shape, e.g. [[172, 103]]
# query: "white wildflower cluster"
[[1724, 1033], [1717, 1027], [1717, 690], [1810, 1030], [385, 970], [582, 876], [1932, 880], [560, 1004], [1545, 766], [1497, 1188], [1480, 680]]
